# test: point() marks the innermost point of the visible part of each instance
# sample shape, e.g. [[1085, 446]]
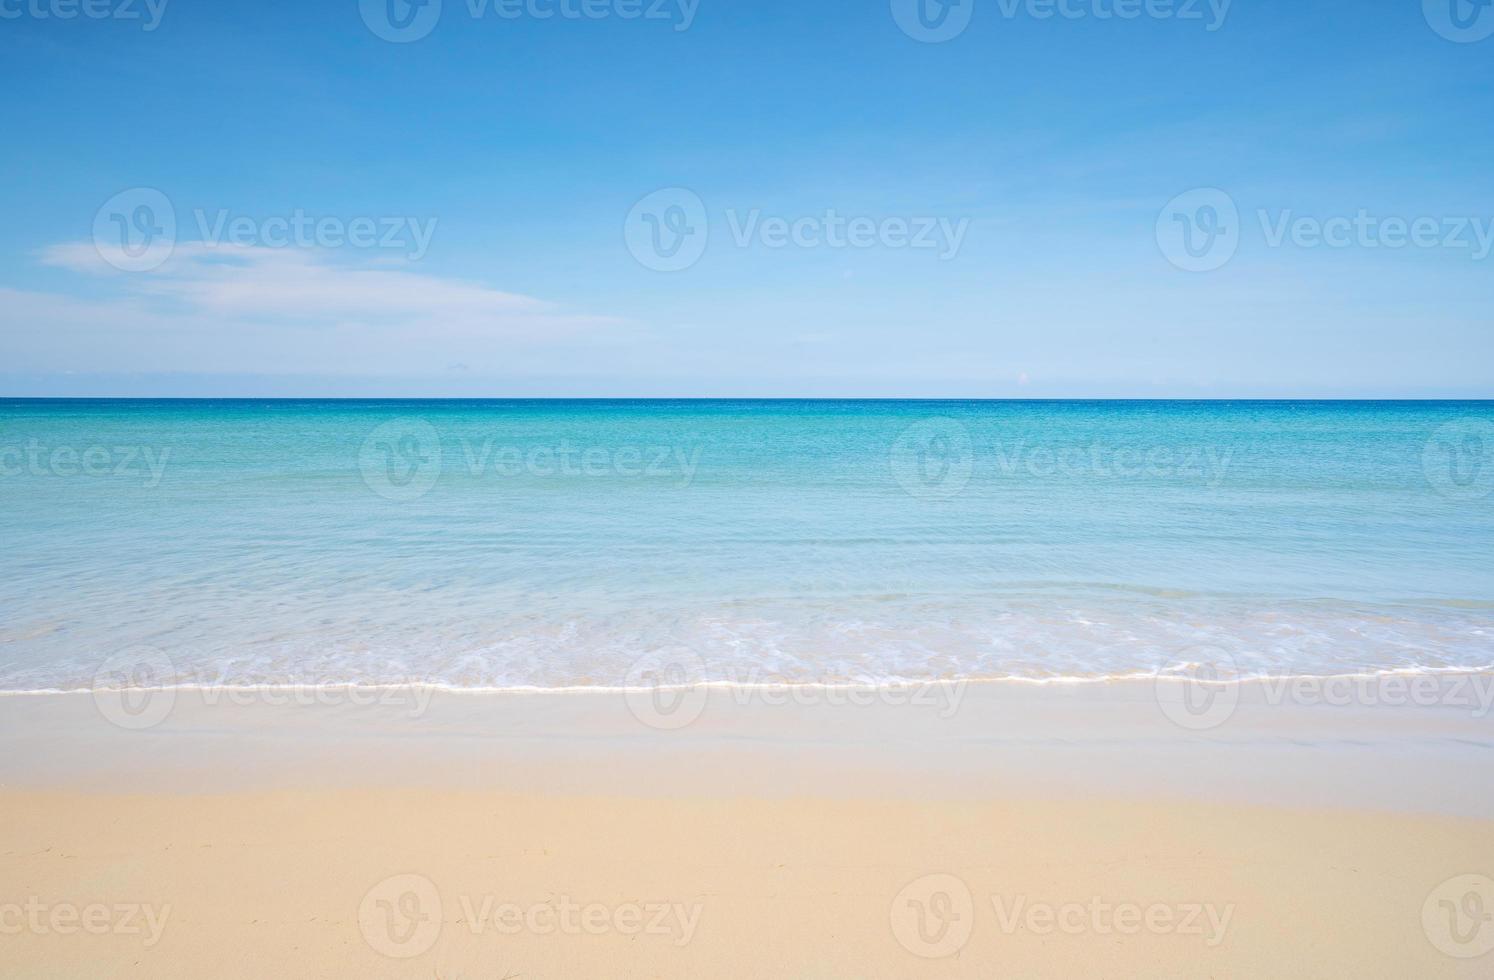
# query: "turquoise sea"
[[516, 544]]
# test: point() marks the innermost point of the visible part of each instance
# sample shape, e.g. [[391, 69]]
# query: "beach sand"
[[1035, 832]]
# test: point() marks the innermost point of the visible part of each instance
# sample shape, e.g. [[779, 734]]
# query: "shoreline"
[[1148, 676]]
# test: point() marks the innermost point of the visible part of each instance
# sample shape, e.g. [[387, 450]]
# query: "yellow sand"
[[1041, 833], [274, 884]]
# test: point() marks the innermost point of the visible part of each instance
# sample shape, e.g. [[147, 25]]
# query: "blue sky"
[[498, 164]]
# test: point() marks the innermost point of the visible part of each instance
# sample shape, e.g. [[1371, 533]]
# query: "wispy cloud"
[[283, 309]]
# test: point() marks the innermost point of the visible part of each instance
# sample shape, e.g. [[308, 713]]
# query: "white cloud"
[[236, 308]]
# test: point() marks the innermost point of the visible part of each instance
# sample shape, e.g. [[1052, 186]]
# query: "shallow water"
[[554, 543]]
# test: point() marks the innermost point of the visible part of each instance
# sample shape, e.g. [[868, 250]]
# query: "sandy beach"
[[1036, 831], [622, 490]]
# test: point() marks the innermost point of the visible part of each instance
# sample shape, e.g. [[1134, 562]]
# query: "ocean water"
[[517, 544]]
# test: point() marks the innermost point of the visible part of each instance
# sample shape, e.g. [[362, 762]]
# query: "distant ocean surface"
[[544, 544]]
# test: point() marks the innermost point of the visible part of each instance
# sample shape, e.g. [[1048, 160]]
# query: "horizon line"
[[711, 398]]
